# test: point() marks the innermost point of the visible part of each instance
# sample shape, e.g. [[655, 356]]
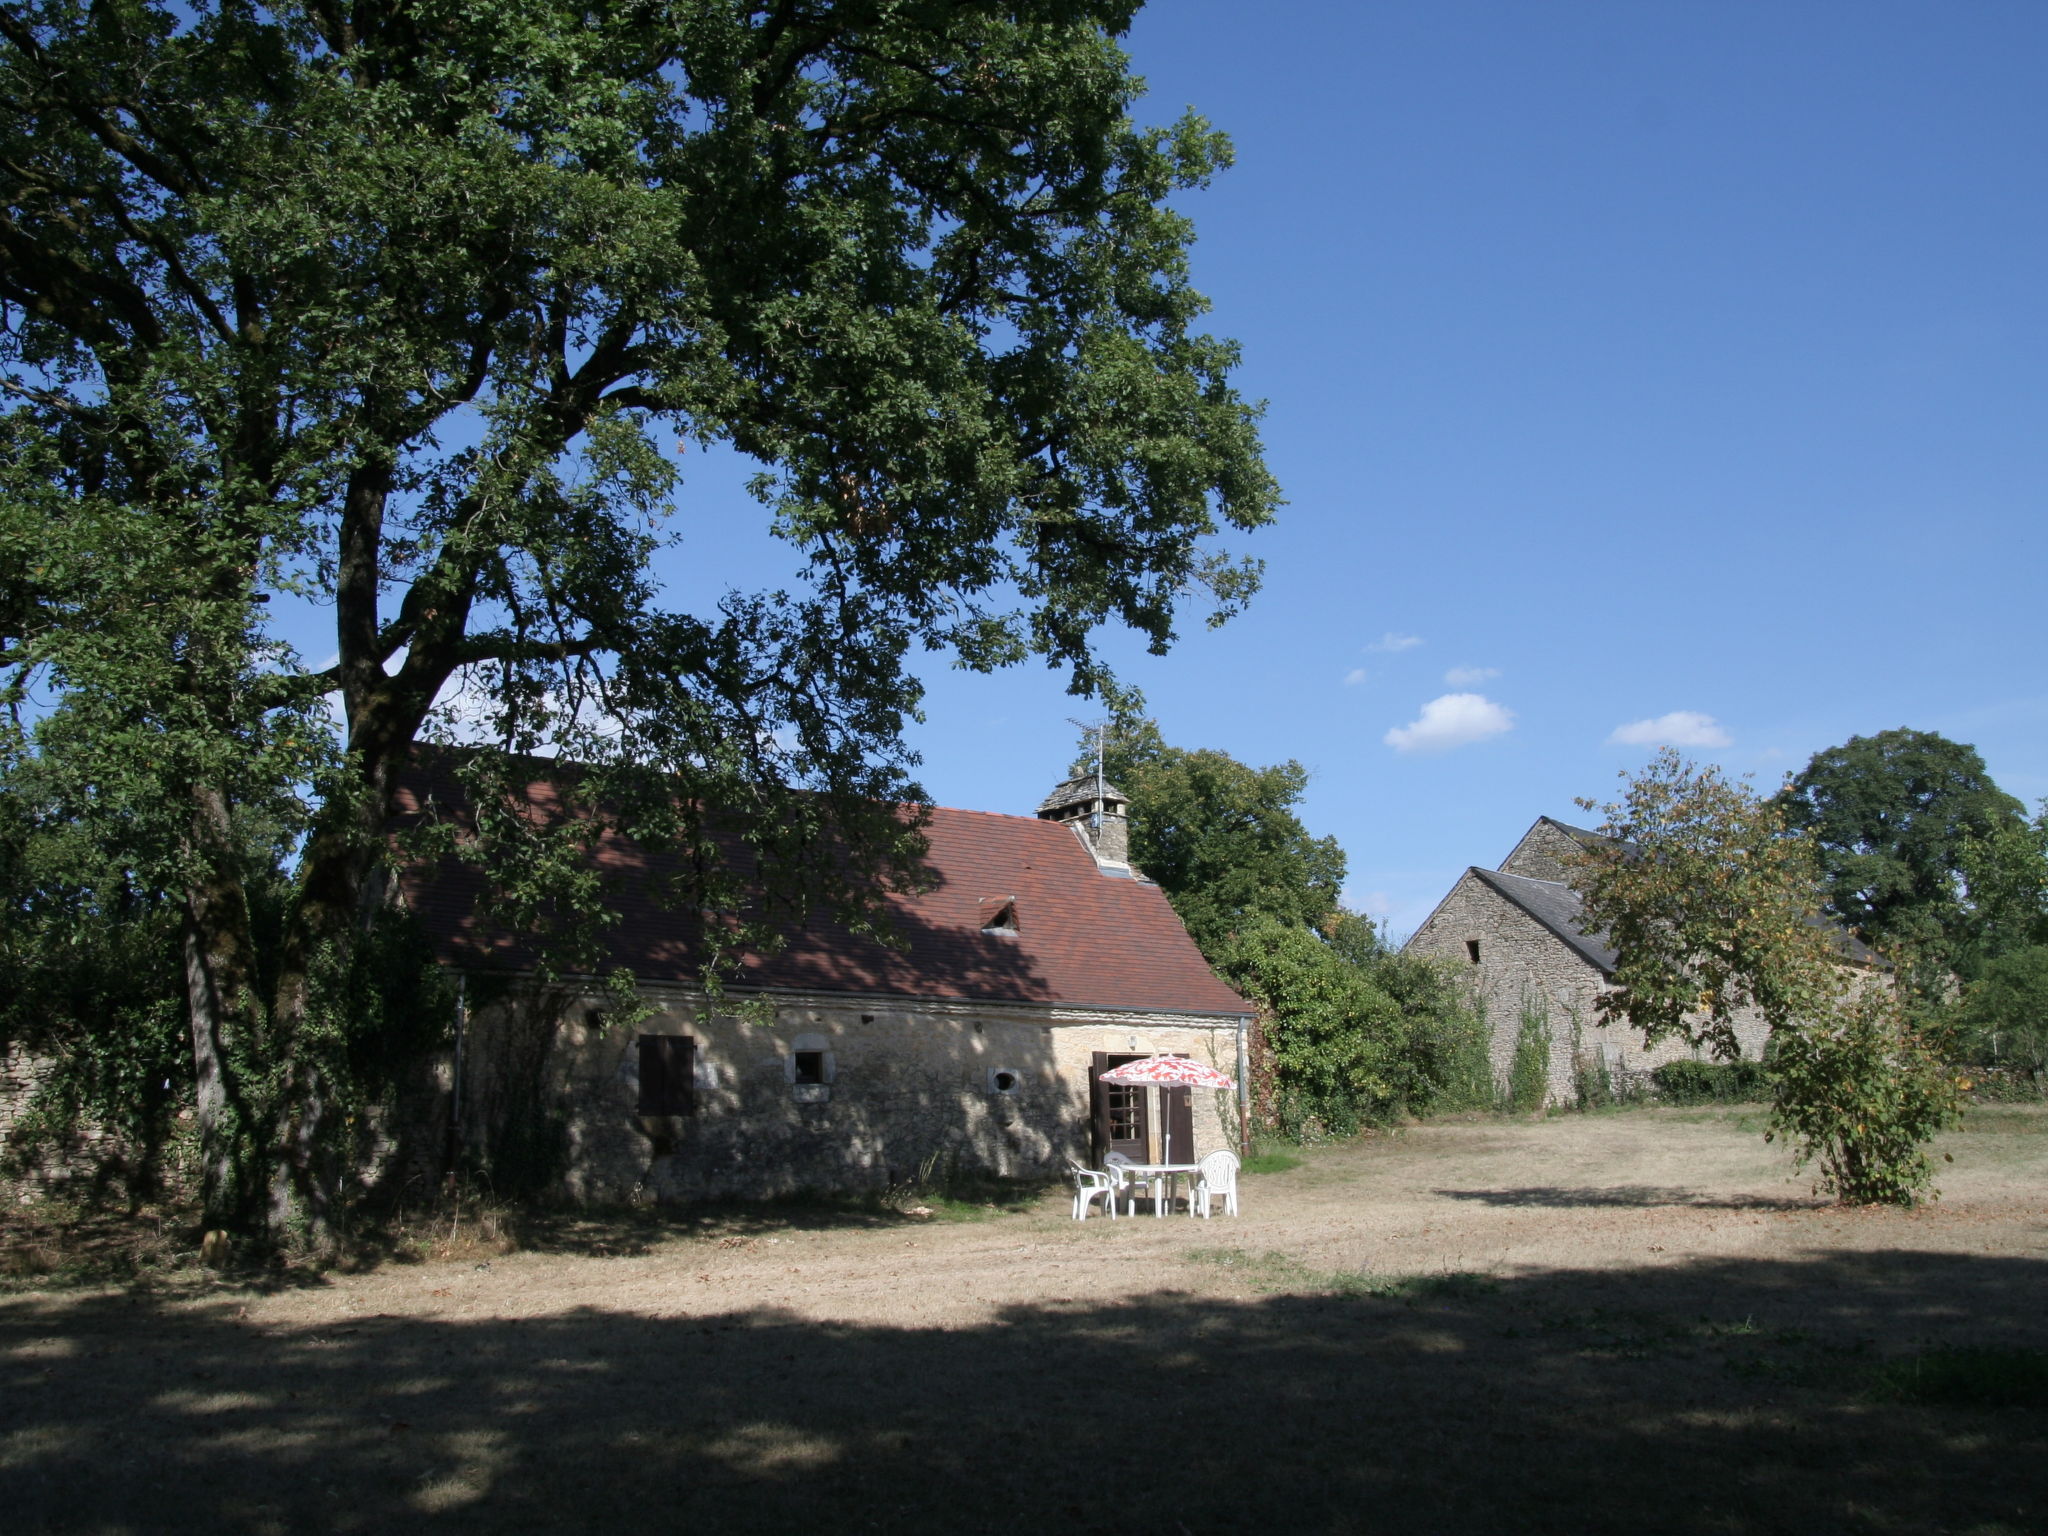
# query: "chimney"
[[1098, 813]]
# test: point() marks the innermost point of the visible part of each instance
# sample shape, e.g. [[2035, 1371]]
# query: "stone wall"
[[551, 1092], [1520, 963], [85, 1157], [1544, 853]]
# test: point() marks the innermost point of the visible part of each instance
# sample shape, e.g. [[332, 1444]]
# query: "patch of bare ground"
[[1628, 1322]]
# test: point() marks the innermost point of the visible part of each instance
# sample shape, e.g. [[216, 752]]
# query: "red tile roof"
[[1082, 938]]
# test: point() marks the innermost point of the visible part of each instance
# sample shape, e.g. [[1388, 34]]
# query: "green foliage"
[[1447, 1058], [1334, 1038], [1355, 1033], [1922, 854], [1709, 903], [1528, 1085], [2003, 1017], [1712, 903], [412, 314], [1222, 839], [91, 971], [1711, 1082], [1271, 1160]]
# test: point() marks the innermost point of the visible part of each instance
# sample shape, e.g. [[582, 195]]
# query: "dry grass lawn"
[[1631, 1322]]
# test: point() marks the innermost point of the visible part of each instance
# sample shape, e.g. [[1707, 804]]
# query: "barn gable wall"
[[1521, 962]]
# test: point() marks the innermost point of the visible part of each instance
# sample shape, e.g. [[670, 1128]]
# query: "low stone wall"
[[84, 1156], [551, 1093]]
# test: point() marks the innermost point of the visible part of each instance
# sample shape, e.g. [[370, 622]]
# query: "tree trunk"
[[221, 1005], [319, 941]]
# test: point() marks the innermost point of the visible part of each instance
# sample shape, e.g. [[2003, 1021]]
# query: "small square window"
[[810, 1066], [1472, 950]]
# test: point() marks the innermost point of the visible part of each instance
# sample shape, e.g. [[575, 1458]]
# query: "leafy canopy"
[[1913, 837], [1222, 839], [407, 308]]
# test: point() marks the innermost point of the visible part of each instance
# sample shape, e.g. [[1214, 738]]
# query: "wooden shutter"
[[1179, 1145]]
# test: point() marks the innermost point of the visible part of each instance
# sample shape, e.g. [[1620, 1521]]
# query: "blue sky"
[[1634, 371], [1623, 361]]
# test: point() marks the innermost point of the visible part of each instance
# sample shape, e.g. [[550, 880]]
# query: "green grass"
[[1967, 1378], [1271, 1160], [1270, 1273]]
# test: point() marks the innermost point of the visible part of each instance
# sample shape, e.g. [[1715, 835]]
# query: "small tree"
[[1711, 902]]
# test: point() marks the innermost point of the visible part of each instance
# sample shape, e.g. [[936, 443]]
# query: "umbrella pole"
[[1165, 1152]]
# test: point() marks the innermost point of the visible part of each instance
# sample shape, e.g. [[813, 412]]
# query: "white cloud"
[[1680, 728], [1354, 677], [1455, 720], [1468, 677], [1393, 642]]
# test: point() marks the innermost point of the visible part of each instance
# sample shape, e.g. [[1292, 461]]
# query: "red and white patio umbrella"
[[1167, 1072]]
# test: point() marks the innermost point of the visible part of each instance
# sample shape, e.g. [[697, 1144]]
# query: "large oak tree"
[[406, 307], [1919, 847]]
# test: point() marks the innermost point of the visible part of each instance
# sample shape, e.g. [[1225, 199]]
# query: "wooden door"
[[1119, 1114]]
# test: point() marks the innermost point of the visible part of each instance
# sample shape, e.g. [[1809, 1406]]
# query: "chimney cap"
[[1077, 792]]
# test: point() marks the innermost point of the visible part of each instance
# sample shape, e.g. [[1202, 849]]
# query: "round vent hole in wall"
[[1004, 1080]]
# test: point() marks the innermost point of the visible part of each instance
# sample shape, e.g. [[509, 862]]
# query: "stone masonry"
[[910, 1087], [1518, 962]]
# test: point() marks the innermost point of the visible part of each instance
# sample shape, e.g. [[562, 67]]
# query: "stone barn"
[[1518, 932], [1037, 960]]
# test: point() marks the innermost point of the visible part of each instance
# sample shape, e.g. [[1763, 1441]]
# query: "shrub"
[[1862, 1093], [1529, 1072], [2003, 1085], [1334, 1040], [1711, 1082]]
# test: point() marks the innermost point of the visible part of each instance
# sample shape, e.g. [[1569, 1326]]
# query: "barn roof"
[[1070, 933], [1557, 907]]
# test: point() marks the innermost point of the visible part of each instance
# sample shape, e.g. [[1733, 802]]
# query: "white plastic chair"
[[1217, 1176], [1131, 1182], [1089, 1185]]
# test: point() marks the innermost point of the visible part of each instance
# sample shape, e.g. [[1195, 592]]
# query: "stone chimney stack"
[[1099, 815]]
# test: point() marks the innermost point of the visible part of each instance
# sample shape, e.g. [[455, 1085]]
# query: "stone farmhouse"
[[1518, 931], [1037, 960]]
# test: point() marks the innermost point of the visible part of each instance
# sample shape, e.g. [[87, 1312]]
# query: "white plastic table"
[[1153, 1173]]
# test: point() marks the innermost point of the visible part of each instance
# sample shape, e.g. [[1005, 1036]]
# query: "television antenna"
[[1099, 729]]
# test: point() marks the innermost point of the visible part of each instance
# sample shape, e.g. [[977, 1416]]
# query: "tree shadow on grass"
[[1724, 1396], [1633, 1196]]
